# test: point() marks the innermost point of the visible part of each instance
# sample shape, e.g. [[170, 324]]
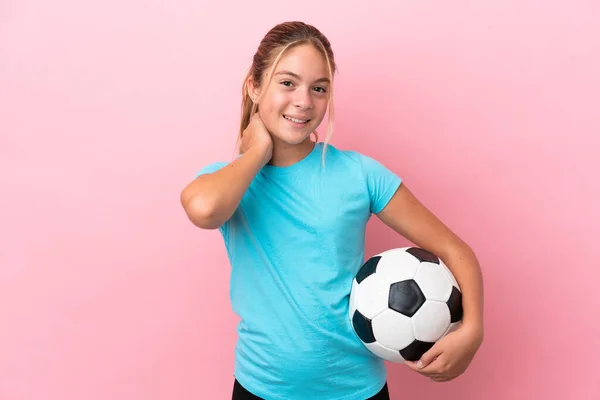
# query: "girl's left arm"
[[407, 216]]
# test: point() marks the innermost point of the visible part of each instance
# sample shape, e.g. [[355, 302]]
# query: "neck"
[[285, 154]]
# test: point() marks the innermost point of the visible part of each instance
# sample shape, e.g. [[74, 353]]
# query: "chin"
[[292, 137]]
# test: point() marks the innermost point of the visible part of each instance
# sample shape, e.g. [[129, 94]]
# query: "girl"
[[292, 213]]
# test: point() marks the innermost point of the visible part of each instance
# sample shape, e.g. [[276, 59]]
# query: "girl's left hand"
[[450, 356]]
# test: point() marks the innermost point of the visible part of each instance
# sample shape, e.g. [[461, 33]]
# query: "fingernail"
[[419, 364]]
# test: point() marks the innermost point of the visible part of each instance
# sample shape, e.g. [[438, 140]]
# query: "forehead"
[[304, 60]]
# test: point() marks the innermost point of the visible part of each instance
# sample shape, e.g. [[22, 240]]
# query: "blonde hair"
[[272, 47]]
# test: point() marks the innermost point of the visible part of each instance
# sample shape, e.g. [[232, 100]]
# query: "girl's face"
[[299, 90]]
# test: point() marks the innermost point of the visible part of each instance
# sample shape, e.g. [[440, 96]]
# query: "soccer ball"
[[402, 302]]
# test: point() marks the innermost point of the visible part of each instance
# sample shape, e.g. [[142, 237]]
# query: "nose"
[[303, 99]]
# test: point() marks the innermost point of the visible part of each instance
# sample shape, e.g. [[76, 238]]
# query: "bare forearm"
[[211, 199], [465, 267]]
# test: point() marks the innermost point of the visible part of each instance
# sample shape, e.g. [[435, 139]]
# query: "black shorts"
[[240, 393]]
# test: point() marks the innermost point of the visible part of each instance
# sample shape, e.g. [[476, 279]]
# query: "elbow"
[[459, 249], [200, 212]]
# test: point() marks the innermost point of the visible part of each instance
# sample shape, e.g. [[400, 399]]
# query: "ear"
[[252, 90]]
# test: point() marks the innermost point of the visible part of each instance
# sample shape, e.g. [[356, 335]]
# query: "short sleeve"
[[210, 168], [381, 182]]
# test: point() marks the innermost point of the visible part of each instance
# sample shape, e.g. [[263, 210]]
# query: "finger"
[[412, 365], [415, 365], [444, 377], [430, 355], [436, 367], [429, 372]]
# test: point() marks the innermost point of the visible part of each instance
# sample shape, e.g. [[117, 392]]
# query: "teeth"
[[299, 121]]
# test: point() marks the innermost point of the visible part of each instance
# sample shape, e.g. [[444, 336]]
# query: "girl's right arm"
[[211, 199]]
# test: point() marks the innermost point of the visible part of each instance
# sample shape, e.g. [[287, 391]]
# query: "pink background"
[[490, 111]]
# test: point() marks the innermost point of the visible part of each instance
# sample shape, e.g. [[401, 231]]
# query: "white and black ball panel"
[[450, 275], [431, 321], [415, 350], [434, 281], [406, 297], [423, 255], [404, 300], [363, 327], [401, 336], [372, 296], [384, 352], [367, 269], [453, 326], [388, 262], [352, 302], [455, 305]]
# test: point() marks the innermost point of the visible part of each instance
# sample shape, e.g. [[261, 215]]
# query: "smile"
[[298, 121]]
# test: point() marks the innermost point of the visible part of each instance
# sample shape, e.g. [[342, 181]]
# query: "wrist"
[[260, 152], [475, 328]]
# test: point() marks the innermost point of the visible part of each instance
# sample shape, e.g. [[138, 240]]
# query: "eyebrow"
[[298, 76]]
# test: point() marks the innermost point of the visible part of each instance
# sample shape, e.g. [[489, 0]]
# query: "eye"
[[323, 90], [284, 83]]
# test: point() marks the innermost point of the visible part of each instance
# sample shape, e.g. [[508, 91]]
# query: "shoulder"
[[212, 167], [351, 157], [335, 154]]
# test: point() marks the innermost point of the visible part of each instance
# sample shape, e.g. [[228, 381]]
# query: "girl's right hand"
[[256, 136]]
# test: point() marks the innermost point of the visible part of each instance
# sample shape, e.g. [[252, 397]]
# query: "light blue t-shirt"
[[295, 243]]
